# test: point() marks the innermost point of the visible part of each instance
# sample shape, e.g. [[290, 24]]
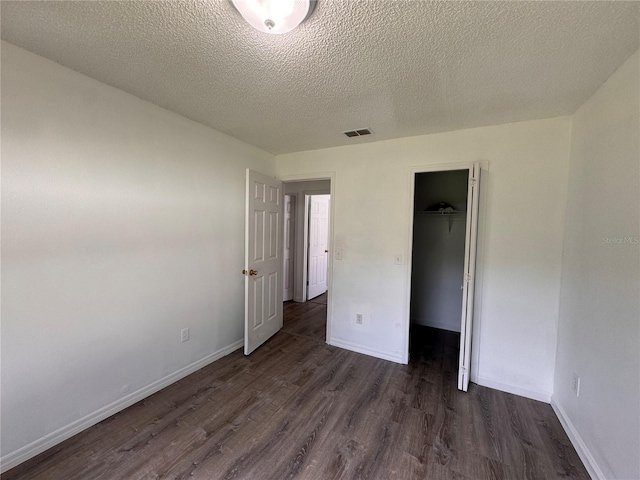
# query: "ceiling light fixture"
[[274, 16]]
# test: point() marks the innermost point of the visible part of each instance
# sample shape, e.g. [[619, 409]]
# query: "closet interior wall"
[[438, 249]]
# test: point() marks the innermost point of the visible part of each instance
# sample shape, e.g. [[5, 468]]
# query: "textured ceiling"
[[401, 68]]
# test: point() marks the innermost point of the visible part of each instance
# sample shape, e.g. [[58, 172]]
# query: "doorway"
[[307, 257], [314, 232], [444, 236], [317, 245]]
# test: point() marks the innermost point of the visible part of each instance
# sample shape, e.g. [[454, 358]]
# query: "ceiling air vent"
[[358, 133]]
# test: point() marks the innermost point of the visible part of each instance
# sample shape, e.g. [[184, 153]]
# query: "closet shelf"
[[456, 213], [449, 215]]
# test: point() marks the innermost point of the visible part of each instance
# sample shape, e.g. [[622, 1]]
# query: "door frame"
[[479, 270], [293, 199], [331, 176]]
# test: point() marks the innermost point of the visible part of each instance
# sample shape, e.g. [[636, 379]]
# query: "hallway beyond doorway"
[[308, 319]]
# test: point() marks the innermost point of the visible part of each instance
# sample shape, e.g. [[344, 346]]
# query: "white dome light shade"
[[274, 16]]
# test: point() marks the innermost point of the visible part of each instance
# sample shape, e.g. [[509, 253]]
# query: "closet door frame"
[[473, 329]]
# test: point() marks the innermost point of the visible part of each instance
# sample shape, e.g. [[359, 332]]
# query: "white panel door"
[[318, 245], [263, 259], [289, 251], [473, 192]]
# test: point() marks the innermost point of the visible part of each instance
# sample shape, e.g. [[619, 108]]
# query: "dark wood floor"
[[298, 408], [307, 319]]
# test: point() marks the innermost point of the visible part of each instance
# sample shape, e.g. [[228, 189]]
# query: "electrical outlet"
[[576, 385], [398, 259], [359, 318], [184, 334], [338, 254]]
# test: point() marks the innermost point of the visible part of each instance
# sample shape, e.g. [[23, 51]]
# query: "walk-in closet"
[[440, 262]]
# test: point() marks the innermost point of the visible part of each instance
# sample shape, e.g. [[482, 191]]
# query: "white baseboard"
[[16, 457], [354, 347], [505, 387], [583, 452]]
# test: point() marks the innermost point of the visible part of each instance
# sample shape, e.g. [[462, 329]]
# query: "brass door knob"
[[326, 251], [253, 272]]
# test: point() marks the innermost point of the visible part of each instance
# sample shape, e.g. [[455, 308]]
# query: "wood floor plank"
[[380, 436], [335, 456], [298, 408]]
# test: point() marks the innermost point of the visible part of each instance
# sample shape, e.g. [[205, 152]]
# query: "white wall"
[[599, 329], [317, 187], [122, 223], [522, 201], [438, 250]]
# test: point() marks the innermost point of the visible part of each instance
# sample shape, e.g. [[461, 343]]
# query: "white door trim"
[[484, 165], [331, 176], [288, 272]]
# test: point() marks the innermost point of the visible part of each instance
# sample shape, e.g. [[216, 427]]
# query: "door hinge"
[[473, 182], [467, 278]]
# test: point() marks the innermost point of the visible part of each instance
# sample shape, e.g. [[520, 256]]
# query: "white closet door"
[[471, 240]]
